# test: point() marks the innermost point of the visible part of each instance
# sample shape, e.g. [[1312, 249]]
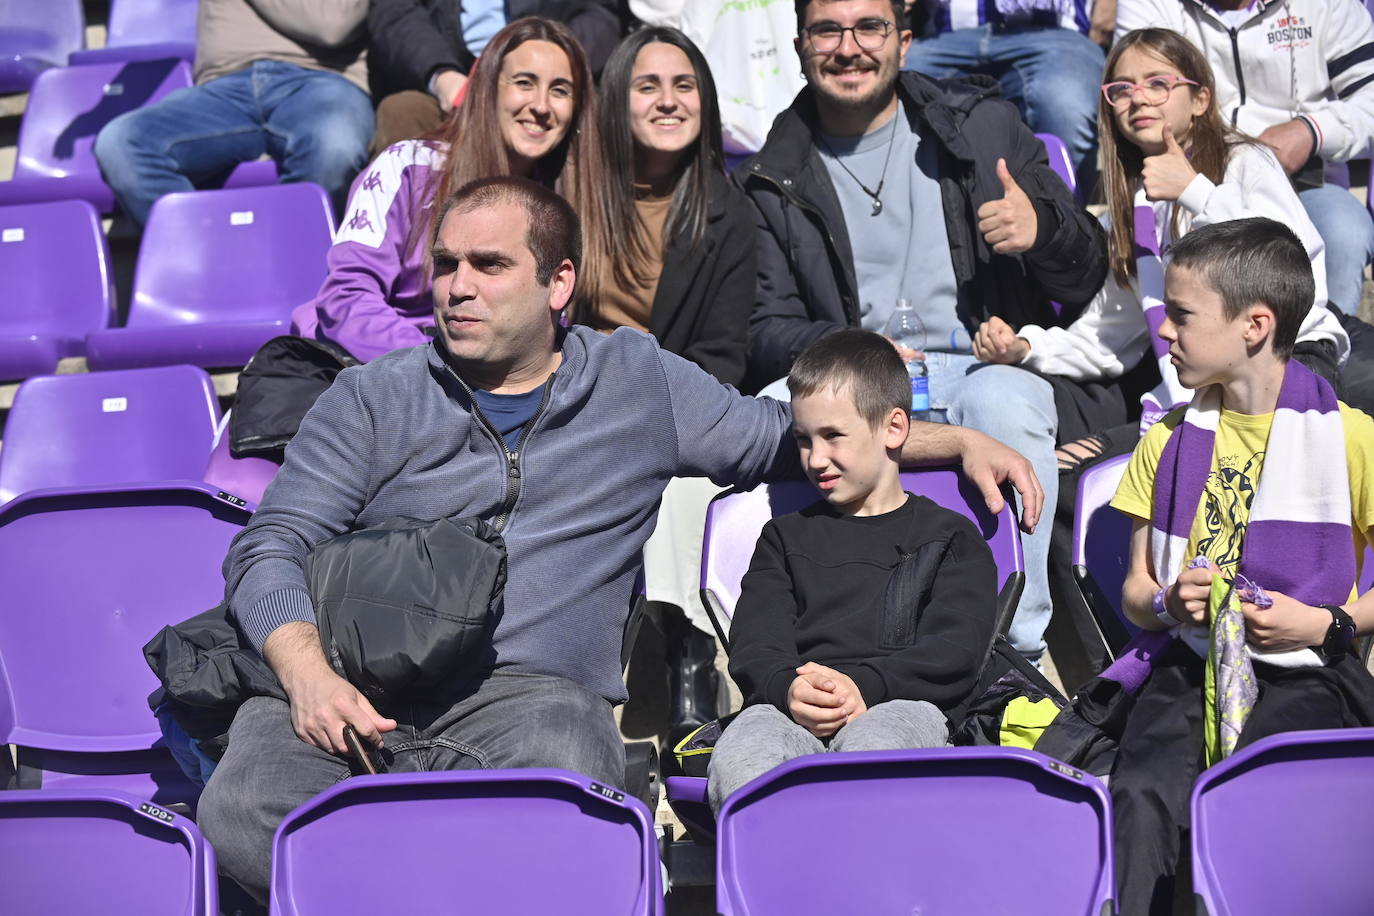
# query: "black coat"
[[411, 39], [701, 308], [806, 281]]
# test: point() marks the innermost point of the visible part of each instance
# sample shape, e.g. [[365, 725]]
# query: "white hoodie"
[[1111, 334], [1296, 58]]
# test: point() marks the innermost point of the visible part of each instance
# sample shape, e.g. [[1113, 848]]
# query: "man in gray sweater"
[[563, 439], [283, 77]]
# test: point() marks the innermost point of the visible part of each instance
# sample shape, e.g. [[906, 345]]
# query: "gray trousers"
[[761, 738], [510, 720]]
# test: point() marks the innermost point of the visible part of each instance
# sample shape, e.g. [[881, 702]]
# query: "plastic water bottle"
[[905, 329]]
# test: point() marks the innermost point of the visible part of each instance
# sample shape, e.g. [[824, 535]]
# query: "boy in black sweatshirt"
[[864, 619]]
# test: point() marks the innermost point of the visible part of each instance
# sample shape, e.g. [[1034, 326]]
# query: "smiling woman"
[[530, 111], [682, 265]]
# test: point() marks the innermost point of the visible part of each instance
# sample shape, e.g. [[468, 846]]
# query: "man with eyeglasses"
[[877, 185]]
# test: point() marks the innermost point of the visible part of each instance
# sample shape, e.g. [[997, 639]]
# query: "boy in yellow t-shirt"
[[1264, 477]]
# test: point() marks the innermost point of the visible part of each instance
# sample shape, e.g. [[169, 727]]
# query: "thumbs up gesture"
[[1168, 174], [1009, 224]]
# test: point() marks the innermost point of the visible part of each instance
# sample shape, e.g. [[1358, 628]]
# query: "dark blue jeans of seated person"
[[509, 720], [314, 124]]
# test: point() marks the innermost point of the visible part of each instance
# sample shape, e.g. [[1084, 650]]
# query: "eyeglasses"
[[1155, 90], [869, 34]]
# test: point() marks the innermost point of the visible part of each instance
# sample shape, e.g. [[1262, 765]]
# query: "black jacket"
[[411, 39], [806, 281], [701, 307], [903, 603]]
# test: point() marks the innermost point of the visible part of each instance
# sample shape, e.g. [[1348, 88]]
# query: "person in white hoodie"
[[1299, 75], [1165, 148]]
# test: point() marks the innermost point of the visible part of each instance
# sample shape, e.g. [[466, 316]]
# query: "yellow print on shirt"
[[1226, 508]]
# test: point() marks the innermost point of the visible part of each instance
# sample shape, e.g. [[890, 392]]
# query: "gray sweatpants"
[[761, 738]]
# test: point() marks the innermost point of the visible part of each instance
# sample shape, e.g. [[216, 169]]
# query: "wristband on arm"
[[1161, 611]]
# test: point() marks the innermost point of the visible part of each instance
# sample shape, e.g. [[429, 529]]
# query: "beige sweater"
[[316, 34]]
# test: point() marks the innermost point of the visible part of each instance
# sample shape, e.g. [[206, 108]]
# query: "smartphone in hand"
[[359, 750]]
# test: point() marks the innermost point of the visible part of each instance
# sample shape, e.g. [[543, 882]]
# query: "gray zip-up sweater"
[[400, 436]]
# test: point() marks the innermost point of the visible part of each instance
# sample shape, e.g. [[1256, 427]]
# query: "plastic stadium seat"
[[733, 524], [36, 35], [55, 284], [145, 30], [1059, 160], [102, 428], [218, 275], [67, 852], [1101, 551], [504, 841], [245, 477], [952, 830], [66, 109], [88, 577], [1280, 827]]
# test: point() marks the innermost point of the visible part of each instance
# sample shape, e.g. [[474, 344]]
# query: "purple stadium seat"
[[490, 841], [66, 109], [102, 428], [1281, 826], [733, 524], [55, 284], [975, 831], [68, 852], [1101, 549], [88, 578], [146, 30], [218, 275], [1059, 160], [245, 477], [36, 35]]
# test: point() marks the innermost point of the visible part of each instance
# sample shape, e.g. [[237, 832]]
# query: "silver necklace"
[[882, 176]]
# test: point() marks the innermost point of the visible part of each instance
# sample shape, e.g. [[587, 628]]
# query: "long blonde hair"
[[1210, 141]]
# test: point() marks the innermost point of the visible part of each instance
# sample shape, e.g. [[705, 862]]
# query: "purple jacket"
[[376, 297]]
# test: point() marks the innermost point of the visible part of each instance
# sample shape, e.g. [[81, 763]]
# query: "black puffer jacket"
[[412, 39], [807, 285]]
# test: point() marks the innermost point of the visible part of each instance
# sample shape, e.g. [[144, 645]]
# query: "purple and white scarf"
[[1298, 538], [1149, 264]]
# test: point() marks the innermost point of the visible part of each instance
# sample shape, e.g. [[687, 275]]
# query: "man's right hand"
[[322, 703], [447, 85]]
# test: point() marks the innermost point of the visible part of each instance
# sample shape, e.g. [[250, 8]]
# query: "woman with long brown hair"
[[530, 111]]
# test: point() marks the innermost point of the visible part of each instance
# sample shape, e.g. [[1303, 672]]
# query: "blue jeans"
[[1016, 408], [510, 720], [1348, 234], [315, 125], [1052, 75]]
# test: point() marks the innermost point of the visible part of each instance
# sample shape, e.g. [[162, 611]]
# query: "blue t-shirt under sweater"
[[509, 412]]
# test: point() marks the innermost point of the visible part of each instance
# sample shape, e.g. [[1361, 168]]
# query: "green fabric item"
[[1024, 720], [1230, 689]]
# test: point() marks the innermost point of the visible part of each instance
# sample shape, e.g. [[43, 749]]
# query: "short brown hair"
[[866, 362], [552, 231], [1249, 261]]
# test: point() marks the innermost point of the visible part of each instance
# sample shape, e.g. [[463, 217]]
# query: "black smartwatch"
[[1339, 636]]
